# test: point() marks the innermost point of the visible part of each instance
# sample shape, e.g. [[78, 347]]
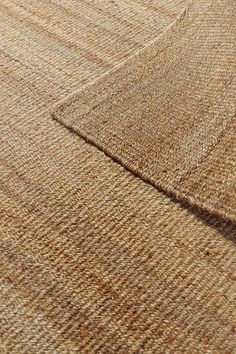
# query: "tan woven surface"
[[168, 114], [61, 45], [94, 259]]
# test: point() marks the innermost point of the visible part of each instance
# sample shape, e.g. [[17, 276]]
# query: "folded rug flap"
[[168, 113]]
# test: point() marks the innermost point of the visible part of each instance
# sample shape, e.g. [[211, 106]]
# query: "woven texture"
[[95, 261], [93, 258], [168, 114]]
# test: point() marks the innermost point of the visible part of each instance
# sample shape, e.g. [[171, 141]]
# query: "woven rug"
[[118, 188], [168, 113]]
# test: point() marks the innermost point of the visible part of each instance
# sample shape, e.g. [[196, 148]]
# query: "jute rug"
[[118, 163]]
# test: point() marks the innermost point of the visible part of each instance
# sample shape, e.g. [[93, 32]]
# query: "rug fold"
[[168, 113]]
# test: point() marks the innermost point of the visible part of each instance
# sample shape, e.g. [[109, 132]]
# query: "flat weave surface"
[[94, 258], [62, 45], [168, 114]]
